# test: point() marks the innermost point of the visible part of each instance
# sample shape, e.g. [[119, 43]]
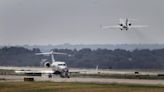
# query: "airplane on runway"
[[50, 67], [58, 67], [124, 24]]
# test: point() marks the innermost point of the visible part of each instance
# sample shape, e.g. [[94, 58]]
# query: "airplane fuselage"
[[58, 65], [124, 28], [124, 24]]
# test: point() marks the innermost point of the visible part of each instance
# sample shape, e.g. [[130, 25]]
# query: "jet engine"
[[121, 24], [47, 64]]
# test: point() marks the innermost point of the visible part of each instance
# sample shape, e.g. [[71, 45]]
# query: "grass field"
[[74, 87], [119, 76]]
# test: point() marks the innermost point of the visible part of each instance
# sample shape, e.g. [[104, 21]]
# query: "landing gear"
[[65, 73], [49, 75]]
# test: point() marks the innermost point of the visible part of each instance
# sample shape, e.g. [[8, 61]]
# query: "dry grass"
[[74, 87]]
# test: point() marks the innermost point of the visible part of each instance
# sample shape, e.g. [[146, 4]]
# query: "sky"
[[43, 22]]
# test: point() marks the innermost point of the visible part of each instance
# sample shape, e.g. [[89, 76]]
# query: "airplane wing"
[[138, 26], [110, 27], [59, 53], [48, 53], [36, 71], [28, 70], [23, 68], [45, 53]]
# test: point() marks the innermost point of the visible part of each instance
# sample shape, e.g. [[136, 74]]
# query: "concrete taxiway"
[[13, 78]]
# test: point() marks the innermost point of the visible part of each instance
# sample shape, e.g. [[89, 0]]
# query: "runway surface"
[[90, 71], [87, 79], [14, 78]]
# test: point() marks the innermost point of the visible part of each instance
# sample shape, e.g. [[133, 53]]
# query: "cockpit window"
[[61, 64]]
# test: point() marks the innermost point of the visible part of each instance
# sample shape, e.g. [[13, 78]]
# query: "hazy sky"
[[78, 21]]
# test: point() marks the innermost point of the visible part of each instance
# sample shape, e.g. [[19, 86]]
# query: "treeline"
[[19, 56], [87, 58], [115, 59]]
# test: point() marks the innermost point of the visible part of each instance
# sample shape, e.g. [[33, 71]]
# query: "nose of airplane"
[[62, 67]]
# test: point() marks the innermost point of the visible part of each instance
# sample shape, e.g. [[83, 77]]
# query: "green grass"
[[121, 76], [6, 72], [75, 87]]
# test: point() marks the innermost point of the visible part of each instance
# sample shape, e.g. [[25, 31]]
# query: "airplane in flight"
[[124, 24]]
